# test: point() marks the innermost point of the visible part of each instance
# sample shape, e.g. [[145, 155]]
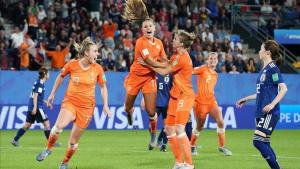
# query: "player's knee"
[[170, 130], [180, 129], [220, 123], [26, 126], [56, 130], [199, 127]]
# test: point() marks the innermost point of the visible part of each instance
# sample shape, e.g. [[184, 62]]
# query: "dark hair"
[[43, 72], [135, 11], [273, 47], [186, 38]]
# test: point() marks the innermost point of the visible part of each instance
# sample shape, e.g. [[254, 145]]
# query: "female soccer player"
[[79, 102], [150, 49], [267, 100], [35, 107], [206, 102], [182, 98]]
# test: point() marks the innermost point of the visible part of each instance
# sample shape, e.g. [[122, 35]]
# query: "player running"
[[150, 49], [79, 102], [267, 97], [206, 102]]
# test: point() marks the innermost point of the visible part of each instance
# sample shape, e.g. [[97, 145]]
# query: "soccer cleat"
[[40, 157], [163, 148], [187, 166], [225, 151], [178, 166], [194, 150], [15, 143], [151, 146], [63, 166]]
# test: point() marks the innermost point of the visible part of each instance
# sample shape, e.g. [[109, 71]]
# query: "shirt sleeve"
[[276, 77], [38, 88], [198, 70], [177, 64], [65, 70], [101, 77], [142, 50]]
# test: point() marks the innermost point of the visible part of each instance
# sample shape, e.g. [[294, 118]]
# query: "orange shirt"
[[82, 83], [32, 20], [109, 30], [206, 82], [24, 55], [58, 58], [144, 48], [182, 69]]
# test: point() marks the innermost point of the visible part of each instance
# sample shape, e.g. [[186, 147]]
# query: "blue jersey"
[[164, 85], [38, 87], [267, 89]]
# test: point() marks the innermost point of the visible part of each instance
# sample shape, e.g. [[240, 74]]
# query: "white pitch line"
[[134, 151]]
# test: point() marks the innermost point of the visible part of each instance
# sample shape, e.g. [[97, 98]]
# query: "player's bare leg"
[[129, 102], [217, 115]]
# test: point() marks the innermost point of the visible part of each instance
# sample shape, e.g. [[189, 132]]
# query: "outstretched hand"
[[107, 111], [240, 103]]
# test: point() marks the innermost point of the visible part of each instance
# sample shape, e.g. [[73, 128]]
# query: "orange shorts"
[[201, 110], [179, 110], [83, 115], [134, 83]]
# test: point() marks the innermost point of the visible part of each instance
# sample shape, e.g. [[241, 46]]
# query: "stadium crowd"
[[44, 31]]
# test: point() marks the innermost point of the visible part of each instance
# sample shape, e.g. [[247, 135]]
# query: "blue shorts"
[[39, 117], [162, 111], [267, 123]]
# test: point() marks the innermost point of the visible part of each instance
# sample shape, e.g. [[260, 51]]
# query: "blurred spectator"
[[240, 64], [266, 7], [228, 62], [109, 63], [251, 66], [121, 64], [109, 29], [234, 70], [105, 51], [41, 13], [58, 57]]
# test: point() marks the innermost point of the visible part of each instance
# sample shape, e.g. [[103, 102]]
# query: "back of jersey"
[[267, 88], [38, 87], [164, 85]]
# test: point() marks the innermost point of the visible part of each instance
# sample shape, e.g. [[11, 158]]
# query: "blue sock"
[[164, 138], [266, 152], [20, 133], [153, 136], [47, 133], [189, 129], [160, 136]]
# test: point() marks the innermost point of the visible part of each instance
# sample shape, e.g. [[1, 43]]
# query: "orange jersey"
[[82, 83], [182, 69], [144, 48], [206, 82]]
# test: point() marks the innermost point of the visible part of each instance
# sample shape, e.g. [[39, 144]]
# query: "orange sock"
[[174, 146], [221, 136], [52, 140], [70, 152], [185, 147]]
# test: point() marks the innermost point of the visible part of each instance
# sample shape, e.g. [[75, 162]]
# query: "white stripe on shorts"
[[43, 114]]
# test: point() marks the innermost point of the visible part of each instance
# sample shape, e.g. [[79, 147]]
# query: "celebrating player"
[[206, 102], [150, 49], [267, 97], [182, 98], [79, 102]]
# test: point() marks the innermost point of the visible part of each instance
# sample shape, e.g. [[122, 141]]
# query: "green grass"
[[128, 150]]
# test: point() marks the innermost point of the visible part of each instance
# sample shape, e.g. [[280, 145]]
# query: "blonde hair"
[[83, 46], [186, 38], [135, 11]]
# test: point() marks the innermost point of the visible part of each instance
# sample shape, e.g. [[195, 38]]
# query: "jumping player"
[[267, 97], [206, 102], [150, 49]]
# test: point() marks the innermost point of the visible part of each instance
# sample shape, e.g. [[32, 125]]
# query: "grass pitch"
[[99, 149]]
